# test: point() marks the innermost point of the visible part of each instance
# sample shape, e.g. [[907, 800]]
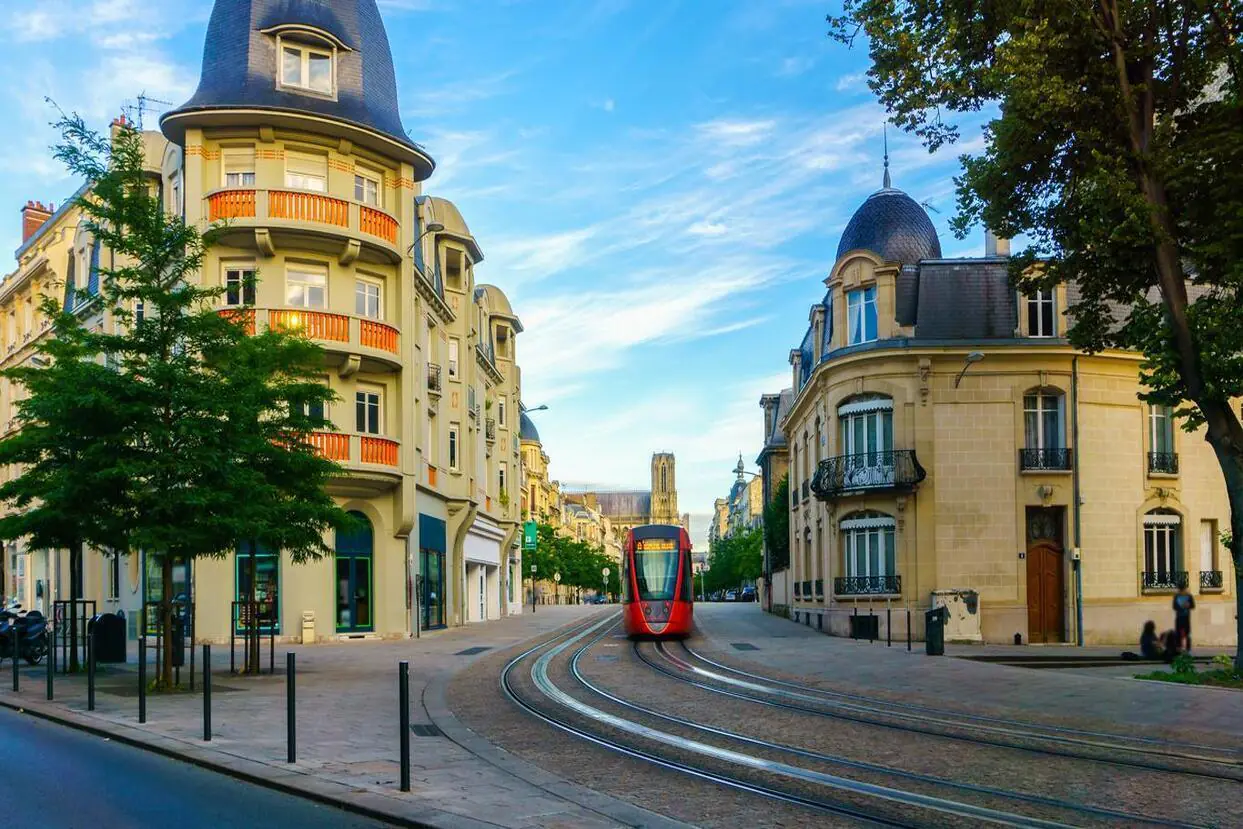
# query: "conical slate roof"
[[526, 429], [240, 63], [892, 225]]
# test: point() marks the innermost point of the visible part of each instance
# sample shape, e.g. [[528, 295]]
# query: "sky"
[[657, 185]]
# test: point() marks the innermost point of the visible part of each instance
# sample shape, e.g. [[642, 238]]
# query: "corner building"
[[947, 446]]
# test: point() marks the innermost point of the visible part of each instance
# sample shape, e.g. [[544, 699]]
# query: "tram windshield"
[[656, 568]]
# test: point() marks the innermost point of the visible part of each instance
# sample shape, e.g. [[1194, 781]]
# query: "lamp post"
[[556, 577], [432, 227], [971, 359], [532, 588]]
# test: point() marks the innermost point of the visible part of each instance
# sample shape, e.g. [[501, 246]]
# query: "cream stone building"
[[948, 446], [719, 527], [632, 508], [293, 139], [774, 464]]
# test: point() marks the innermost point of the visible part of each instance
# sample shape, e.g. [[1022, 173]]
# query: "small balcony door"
[[867, 443]]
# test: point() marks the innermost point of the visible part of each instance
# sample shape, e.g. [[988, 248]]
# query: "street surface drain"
[[743, 646], [472, 651], [426, 730]]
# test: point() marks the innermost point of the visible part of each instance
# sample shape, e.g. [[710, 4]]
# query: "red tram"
[[657, 582]]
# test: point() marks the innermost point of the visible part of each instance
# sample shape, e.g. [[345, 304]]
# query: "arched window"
[[1163, 553], [869, 554]]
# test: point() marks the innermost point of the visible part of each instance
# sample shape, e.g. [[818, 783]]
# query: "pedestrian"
[[1184, 603]]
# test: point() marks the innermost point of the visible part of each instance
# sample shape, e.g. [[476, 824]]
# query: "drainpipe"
[[1078, 563]]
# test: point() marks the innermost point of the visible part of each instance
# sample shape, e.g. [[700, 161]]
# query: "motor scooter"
[[23, 634]]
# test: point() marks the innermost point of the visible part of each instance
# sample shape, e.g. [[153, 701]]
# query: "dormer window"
[[861, 315], [308, 68]]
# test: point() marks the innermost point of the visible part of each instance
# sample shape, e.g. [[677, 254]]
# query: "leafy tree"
[[1117, 150], [734, 560], [209, 438], [777, 527]]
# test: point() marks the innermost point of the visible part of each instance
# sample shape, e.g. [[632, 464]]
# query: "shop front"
[[430, 581]]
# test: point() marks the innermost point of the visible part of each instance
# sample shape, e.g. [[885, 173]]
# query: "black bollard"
[[854, 626], [403, 693], [51, 665], [888, 627], [871, 626], [908, 628], [14, 654], [206, 693], [290, 724], [90, 673], [142, 679]]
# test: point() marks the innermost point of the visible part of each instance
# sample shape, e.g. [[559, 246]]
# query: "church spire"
[[887, 183]]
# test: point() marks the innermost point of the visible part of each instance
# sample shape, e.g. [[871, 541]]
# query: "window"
[[454, 344], [867, 441], [1208, 548], [175, 201], [500, 478], [868, 546], [861, 315], [367, 188], [28, 316], [239, 168], [306, 172], [454, 432], [306, 287], [500, 409], [367, 299], [367, 411], [1042, 420], [1162, 553], [239, 286], [307, 67], [1041, 320], [1161, 430]]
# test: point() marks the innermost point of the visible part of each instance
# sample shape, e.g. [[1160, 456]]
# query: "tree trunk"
[[75, 594], [165, 680]]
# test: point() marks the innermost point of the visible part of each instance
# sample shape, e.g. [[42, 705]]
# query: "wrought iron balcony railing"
[[1164, 579], [867, 585], [806, 489], [1051, 460], [1211, 580], [1164, 463], [898, 469], [807, 589], [433, 377], [819, 586], [489, 429], [798, 589]]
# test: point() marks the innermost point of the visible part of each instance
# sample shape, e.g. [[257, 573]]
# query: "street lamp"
[[972, 358], [540, 408], [432, 227]]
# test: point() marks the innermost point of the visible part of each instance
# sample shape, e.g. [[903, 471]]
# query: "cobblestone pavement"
[[743, 635], [347, 714]]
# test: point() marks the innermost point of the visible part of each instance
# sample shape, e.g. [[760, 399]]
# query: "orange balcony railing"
[[316, 325], [432, 473], [243, 316], [378, 224], [380, 451], [332, 445], [372, 334], [308, 207], [231, 204]]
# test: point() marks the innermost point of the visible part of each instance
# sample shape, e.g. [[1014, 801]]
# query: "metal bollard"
[[403, 694], [206, 693], [888, 627], [51, 665], [290, 724], [908, 628], [14, 653], [90, 673], [142, 679], [871, 626], [854, 627]]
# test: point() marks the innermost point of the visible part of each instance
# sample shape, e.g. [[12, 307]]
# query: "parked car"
[[748, 595], [731, 595]]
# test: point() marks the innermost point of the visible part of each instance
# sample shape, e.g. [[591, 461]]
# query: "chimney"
[[994, 245], [34, 214]]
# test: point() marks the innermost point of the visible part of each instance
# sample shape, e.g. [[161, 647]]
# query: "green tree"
[[210, 433], [1117, 150], [734, 560], [777, 527]]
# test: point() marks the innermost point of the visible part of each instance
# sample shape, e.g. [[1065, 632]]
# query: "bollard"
[[142, 679], [290, 725], [871, 626], [854, 625], [403, 693], [908, 628], [90, 673], [14, 653], [206, 693], [888, 627], [51, 664]]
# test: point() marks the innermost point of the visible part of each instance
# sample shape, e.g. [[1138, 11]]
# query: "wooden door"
[[1045, 593]]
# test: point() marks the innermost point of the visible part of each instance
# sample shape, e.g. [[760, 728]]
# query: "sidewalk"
[[1112, 700], [347, 733]]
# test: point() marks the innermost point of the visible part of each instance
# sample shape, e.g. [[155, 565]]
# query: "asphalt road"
[[60, 778]]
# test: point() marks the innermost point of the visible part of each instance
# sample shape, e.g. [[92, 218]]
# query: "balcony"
[[1045, 460], [372, 463], [1162, 463], [1211, 580], [798, 590], [867, 586], [434, 383], [868, 472], [363, 231], [806, 489], [489, 429], [819, 588], [375, 344], [1163, 580]]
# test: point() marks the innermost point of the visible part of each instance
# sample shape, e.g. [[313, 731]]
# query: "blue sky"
[[659, 187]]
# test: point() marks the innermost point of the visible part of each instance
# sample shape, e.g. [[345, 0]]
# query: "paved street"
[[60, 778]]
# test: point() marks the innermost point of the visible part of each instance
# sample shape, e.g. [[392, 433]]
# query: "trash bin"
[[934, 631], [107, 631]]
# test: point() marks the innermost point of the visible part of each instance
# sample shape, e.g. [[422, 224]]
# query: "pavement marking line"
[[539, 673], [1010, 732]]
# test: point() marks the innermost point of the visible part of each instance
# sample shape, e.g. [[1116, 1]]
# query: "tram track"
[[882, 805], [902, 721]]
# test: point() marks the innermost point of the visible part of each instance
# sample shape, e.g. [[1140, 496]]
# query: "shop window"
[[267, 571], [354, 553]]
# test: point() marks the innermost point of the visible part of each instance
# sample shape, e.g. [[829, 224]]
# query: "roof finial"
[[887, 183]]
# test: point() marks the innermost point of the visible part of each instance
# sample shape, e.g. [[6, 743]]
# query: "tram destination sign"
[[656, 545]]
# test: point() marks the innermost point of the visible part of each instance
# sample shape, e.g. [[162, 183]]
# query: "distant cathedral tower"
[[664, 489]]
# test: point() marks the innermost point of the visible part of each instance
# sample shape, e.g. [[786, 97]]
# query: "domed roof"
[[892, 225], [446, 213], [498, 304], [526, 429], [240, 63]]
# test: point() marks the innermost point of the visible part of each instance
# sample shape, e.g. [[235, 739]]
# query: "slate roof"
[[526, 428], [965, 299], [893, 225], [240, 65], [616, 504]]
